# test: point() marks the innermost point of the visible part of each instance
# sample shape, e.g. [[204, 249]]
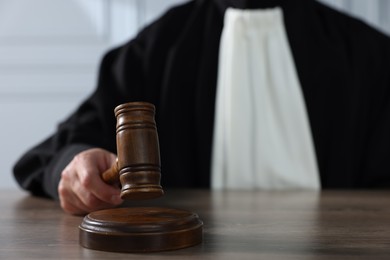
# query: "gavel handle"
[[111, 176]]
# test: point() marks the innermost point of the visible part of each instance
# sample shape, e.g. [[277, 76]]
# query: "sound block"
[[140, 229]]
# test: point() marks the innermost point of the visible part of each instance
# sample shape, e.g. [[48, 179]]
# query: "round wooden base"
[[141, 229]]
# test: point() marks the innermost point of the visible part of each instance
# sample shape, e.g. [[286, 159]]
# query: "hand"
[[81, 188]]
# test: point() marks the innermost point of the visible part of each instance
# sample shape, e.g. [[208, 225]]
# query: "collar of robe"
[[256, 4]]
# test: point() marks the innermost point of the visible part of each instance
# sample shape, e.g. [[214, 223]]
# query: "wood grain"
[[237, 225]]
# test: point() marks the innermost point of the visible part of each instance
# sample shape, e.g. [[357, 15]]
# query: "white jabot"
[[262, 137]]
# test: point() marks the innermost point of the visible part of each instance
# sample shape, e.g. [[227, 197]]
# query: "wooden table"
[[237, 225]]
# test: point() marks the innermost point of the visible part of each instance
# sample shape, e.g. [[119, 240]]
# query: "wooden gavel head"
[[138, 166]]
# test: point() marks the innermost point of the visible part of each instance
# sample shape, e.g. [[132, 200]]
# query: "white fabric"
[[262, 137]]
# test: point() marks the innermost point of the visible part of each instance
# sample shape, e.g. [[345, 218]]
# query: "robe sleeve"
[[92, 124]]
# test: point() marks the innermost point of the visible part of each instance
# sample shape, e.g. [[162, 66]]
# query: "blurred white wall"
[[50, 51], [49, 55], [374, 12]]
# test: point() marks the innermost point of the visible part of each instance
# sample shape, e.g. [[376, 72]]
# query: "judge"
[[249, 94]]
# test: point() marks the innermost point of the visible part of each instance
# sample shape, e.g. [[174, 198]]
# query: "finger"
[[75, 202], [74, 197], [69, 201], [93, 189], [70, 208]]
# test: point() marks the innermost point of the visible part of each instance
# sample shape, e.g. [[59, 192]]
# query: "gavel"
[[138, 171], [138, 166]]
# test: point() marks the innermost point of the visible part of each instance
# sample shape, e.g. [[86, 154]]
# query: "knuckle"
[[61, 190], [86, 181], [65, 174], [78, 158]]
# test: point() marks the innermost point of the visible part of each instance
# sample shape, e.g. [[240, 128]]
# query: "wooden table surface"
[[237, 225]]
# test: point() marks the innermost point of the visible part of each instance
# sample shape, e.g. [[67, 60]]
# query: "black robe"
[[343, 67]]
